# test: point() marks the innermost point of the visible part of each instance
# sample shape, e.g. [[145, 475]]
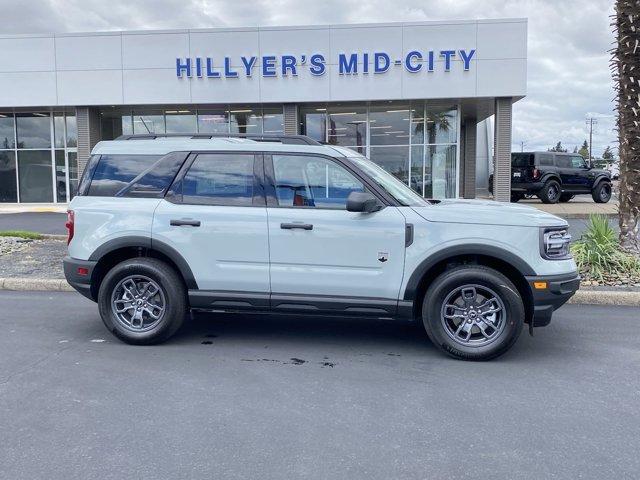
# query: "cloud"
[[568, 67]]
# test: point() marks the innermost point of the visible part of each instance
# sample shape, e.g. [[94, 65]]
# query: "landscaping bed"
[[38, 257]]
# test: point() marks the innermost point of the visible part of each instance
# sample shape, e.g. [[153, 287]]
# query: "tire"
[[147, 274], [550, 192], [503, 327], [602, 192], [565, 197], [516, 197]]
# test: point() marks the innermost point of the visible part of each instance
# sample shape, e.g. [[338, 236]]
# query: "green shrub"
[[21, 234], [598, 252]]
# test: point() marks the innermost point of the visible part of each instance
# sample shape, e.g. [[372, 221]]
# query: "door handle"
[[184, 223], [301, 226]]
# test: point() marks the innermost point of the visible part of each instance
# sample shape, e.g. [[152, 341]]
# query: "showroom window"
[[267, 119], [417, 142], [38, 157]]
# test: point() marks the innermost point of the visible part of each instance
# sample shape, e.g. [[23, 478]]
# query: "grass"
[[598, 252], [21, 234]]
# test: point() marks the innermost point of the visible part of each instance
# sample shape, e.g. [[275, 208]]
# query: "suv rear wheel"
[[550, 192], [602, 192], [473, 312], [142, 301]]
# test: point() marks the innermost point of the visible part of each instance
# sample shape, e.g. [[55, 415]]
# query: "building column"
[[502, 151], [468, 164], [88, 121], [291, 119]]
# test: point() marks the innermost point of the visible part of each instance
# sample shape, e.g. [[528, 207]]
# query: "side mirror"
[[362, 202]]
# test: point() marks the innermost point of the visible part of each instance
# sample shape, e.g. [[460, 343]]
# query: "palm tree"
[[626, 74]]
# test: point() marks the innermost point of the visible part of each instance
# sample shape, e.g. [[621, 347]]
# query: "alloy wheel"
[[473, 315], [138, 303]]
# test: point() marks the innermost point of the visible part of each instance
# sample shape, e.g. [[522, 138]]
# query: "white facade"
[[126, 68]]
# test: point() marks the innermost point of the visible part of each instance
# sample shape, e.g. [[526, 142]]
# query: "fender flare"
[[460, 250], [599, 179], [551, 176], [146, 242]]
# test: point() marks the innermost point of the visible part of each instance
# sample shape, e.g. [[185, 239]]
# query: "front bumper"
[[559, 289], [81, 282]]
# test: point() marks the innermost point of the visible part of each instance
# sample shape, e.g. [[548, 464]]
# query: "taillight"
[[536, 173], [70, 225]]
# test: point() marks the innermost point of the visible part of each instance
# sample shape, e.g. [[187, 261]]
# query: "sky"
[[568, 44]]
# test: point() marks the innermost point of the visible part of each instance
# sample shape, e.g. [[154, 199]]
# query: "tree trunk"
[[626, 68]]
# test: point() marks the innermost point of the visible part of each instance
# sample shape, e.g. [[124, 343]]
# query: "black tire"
[[550, 192], [516, 197], [602, 192], [565, 197], [172, 292], [480, 278]]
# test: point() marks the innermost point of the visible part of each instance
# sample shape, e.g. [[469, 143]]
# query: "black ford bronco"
[[556, 177]]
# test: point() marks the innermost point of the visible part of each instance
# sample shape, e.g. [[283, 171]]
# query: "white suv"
[[164, 224]]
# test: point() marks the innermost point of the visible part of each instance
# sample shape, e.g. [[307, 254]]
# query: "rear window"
[[545, 159], [130, 175], [521, 159]]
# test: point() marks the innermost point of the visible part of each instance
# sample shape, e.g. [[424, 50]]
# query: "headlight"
[[554, 243]]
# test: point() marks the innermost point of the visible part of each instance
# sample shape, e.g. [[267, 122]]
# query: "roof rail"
[[286, 139]]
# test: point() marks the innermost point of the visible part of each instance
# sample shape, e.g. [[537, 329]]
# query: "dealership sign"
[[348, 64]]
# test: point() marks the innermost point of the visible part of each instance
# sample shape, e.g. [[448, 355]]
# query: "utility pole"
[[591, 121], [522, 144]]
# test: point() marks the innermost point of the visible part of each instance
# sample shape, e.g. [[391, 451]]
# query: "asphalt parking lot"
[[283, 397]]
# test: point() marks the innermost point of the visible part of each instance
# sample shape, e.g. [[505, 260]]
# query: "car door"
[[215, 217], [566, 172], [581, 173], [322, 256]]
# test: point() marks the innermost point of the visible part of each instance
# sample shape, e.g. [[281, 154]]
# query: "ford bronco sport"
[[556, 177], [164, 224]]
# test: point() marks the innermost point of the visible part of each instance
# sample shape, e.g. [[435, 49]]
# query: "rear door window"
[[563, 161], [219, 179], [521, 159], [545, 159]]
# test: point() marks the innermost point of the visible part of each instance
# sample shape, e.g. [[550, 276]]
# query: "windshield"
[[394, 187]]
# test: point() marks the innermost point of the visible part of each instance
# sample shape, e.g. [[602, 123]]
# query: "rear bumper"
[[559, 289], [528, 187], [81, 282]]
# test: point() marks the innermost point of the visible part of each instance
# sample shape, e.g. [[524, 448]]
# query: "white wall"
[[115, 68]]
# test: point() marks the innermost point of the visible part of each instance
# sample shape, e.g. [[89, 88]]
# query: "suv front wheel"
[[142, 301], [473, 312], [602, 192], [550, 192]]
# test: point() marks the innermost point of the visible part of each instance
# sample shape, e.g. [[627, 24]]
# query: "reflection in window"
[[8, 189], [72, 131], [73, 173], [306, 181], [245, 120], [114, 172], [213, 121], [441, 124], [61, 177], [394, 160], [148, 123], [58, 130], [181, 121], [347, 127], [220, 179], [314, 123], [419, 174], [272, 120], [442, 159], [34, 169], [34, 130], [389, 125], [7, 133]]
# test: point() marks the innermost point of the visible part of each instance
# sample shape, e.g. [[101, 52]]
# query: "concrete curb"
[[582, 297], [35, 284]]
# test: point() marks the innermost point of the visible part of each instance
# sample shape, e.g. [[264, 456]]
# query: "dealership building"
[[414, 97]]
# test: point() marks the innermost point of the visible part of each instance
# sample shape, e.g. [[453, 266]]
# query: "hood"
[[488, 212]]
